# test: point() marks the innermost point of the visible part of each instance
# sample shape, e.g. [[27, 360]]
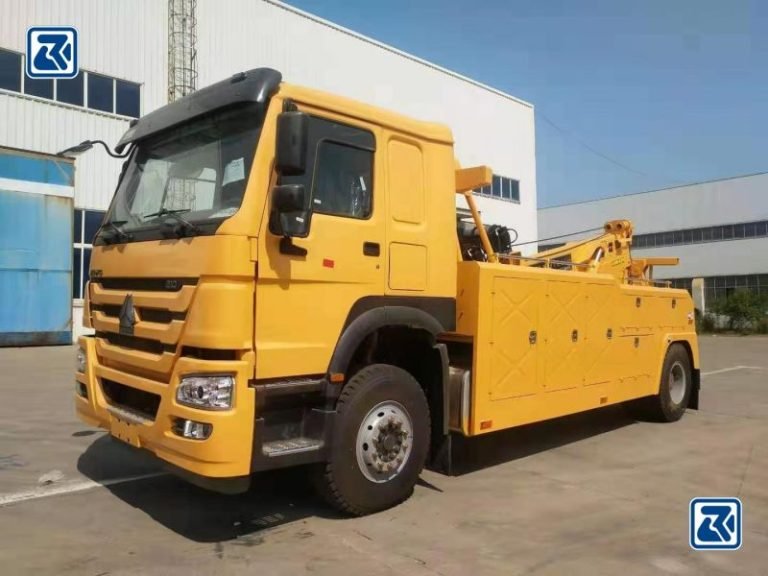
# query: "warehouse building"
[[718, 229], [135, 56]]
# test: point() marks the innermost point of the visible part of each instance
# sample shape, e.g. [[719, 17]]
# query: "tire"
[[674, 389], [378, 405]]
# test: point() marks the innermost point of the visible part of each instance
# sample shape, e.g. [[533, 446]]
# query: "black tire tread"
[[326, 485], [651, 408]]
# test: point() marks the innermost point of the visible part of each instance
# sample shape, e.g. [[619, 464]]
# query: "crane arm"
[[607, 253]]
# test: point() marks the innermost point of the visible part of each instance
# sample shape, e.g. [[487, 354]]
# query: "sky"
[[629, 95]]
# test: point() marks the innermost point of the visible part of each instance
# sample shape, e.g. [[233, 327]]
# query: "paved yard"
[[593, 494]]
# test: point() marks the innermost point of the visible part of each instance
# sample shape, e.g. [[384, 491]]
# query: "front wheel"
[[380, 441], [674, 389]]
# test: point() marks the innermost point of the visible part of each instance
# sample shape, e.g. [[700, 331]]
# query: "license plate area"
[[125, 431]]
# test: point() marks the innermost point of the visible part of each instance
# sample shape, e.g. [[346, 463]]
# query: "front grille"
[[136, 343], [160, 316], [140, 315], [156, 315], [145, 284], [110, 310], [122, 396]]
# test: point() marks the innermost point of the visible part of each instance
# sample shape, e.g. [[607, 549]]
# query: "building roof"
[[665, 189]]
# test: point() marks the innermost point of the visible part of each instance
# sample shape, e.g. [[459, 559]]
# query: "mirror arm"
[[289, 248]]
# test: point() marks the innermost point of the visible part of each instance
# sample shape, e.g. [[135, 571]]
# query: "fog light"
[[192, 429], [207, 392], [81, 389], [80, 360]]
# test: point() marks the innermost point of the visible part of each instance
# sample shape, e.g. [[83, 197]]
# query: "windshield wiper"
[[186, 225], [117, 232]]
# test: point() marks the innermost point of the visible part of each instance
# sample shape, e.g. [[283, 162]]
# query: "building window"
[[502, 188], [42, 88], [702, 235], [77, 273], [101, 92], [127, 98], [717, 287], [86, 224], [71, 90], [10, 70], [544, 247], [496, 187], [104, 93]]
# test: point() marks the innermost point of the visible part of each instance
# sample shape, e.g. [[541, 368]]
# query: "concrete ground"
[[592, 494]]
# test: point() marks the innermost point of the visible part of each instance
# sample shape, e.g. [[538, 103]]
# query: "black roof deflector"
[[256, 85]]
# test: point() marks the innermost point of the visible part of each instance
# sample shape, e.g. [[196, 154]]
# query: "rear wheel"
[[380, 441], [674, 389]]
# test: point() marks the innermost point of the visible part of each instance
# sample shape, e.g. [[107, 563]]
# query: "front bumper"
[[226, 453]]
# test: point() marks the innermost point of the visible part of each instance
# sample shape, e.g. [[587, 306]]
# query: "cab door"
[[304, 292]]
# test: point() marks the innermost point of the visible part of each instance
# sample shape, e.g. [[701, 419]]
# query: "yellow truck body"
[[334, 285]]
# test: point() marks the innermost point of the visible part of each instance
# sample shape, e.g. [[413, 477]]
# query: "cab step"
[[291, 446]]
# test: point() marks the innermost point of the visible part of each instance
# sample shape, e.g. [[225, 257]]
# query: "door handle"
[[371, 248]]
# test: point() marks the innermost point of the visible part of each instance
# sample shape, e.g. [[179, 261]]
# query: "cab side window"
[[339, 173], [343, 180]]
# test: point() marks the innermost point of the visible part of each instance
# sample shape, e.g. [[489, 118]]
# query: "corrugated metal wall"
[[35, 249], [49, 127], [126, 40], [728, 201], [489, 128]]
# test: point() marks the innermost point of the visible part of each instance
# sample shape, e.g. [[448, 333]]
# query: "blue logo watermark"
[[715, 524], [52, 52]]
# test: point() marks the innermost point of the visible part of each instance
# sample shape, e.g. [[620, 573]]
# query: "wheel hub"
[[384, 441], [677, 383]]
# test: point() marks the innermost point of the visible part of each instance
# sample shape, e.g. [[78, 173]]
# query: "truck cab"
[[264, 240]]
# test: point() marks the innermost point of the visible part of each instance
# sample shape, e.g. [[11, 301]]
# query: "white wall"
[[729, 201], [125, 40], [489, 127], [741, 199], [727, 258], [128, 40]]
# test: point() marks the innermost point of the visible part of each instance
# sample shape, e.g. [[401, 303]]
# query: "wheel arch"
[[364, 325], [405, 336]]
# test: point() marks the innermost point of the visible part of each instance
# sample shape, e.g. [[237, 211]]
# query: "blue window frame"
[[496, 191], [77, 266], [93, 220], [127, 98], [71, 91], [78, 226], [100, 92], [86, 269], [86, 224], [10, 70], [40, 87]]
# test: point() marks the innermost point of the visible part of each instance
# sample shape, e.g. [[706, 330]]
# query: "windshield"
[[194, 173]]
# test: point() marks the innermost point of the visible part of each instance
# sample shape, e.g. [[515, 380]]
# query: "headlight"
[[207, 392], [80, 360]]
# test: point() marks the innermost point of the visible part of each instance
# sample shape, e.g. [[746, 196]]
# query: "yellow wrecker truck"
[[282, 279]]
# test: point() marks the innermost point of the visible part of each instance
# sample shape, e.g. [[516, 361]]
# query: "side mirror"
[[291, 148], [288, 198], [290, 216]]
